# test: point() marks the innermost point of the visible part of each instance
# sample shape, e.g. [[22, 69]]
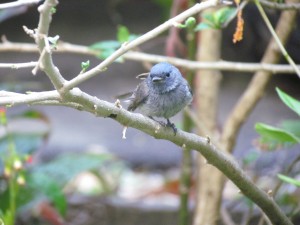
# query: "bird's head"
[[164, 77]]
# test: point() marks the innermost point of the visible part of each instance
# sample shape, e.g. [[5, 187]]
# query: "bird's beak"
[[156, 79]]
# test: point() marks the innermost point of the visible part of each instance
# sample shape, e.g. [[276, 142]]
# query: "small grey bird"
[[163, 93]]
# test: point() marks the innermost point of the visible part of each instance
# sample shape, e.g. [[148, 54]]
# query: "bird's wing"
[[139, 96]]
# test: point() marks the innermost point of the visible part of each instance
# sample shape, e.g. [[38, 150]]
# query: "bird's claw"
[[168, 124], [172, 125]]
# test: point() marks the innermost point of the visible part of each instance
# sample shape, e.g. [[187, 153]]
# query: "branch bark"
[[64, 47], [214, 156], [18, 3]]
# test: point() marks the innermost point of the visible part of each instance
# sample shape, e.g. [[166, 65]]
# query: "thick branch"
[[11, 99], [218, 158]]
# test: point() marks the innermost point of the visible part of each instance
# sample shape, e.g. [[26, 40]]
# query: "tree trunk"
[[210, 181]]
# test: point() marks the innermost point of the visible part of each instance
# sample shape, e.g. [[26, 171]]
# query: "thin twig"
[[226, 218], [64, 47], [18, 65], [18, 3], [280, 6], [280, 183], [146, 37], [274, 35], [45, 62]]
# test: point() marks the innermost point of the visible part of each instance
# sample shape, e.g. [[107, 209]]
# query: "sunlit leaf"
[[277, 134], [217, 19], [123, 34], [85, 65], [223, 15], [289, 180], [289, 101]]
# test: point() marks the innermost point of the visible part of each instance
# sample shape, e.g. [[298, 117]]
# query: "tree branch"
[[18, 3], [73, 97], [41, 39], [280, 6], [149, 35], [214, 156], [10, 98], [64, 47], [18, 65]]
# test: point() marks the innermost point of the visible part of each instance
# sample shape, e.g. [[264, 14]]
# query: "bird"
[[162, 94]]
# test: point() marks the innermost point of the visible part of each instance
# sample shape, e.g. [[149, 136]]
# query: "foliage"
[[288, 134], [289, 180], [216, 20], [38, 182], [106, 48]]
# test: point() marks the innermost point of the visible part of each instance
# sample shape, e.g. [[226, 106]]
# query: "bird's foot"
[[172, 125], [168, 124]]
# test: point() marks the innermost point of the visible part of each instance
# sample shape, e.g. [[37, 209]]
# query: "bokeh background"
[[90, 21]]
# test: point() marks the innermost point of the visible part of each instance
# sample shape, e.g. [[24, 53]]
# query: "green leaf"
[[209, 17], [123, 34], [293, 126], [75, 164], [104, 45], [41, 183], [33, 114], [106, 48], [216, 20], [276, 134], [289, 101], [223, 15], [85, 65], [204, 26], [53, 10], [289, 180]]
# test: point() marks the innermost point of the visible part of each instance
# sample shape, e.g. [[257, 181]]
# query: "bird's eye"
[[168, 75]]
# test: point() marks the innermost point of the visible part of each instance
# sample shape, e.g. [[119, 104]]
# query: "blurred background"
[[85, 23]]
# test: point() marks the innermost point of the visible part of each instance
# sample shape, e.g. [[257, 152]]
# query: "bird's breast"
[[167, 104]]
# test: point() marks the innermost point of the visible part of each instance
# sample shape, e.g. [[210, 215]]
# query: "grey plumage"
[[162, 94]]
